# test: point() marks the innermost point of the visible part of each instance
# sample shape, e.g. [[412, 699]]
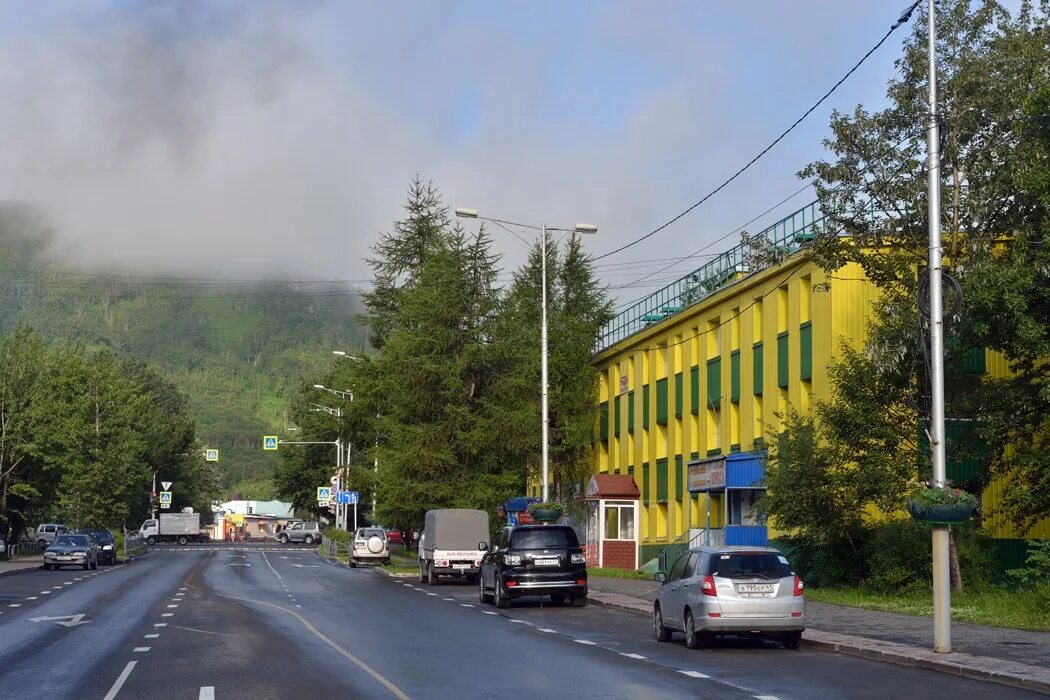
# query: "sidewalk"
[[1019, 658], [21, 564]]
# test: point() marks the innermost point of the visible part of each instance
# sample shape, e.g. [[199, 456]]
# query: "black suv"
[[107, 544], [533, 560]]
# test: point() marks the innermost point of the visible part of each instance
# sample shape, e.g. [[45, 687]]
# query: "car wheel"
[[422, 572], [94, 564], [432, 578], [662, 633], [151, 540], [692, 639], [182, 540], [353, 563], [47, 567], [502, 601], [483, 597], [557, 599], [283, 539], [41, 541], [792, 640], [579, 601], [87, 565], [386, 562], [309, 539]]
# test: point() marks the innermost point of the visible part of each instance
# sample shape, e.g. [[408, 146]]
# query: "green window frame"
[[714, 381], [734, 376], [617, 413], [645, 406], [694, 390], [757, 367], [679, 478], [679, 383], [645, 483], [603, 421], [782, 360], [661, 401], [805, 343], [661, 480], [630, 412]]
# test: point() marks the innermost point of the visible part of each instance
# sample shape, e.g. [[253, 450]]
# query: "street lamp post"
[[543, 229]]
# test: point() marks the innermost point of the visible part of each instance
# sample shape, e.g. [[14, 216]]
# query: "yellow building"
[[702, 368]]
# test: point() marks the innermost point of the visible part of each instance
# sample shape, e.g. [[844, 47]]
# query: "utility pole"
[[543, 356], [942, 632]]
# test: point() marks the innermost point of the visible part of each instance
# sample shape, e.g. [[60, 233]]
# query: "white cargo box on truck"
[[172, 527], [449, 545]]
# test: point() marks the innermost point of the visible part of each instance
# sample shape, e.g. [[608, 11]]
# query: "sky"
[[268, 139]]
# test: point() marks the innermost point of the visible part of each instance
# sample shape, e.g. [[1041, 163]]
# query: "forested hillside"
[[238, 349]]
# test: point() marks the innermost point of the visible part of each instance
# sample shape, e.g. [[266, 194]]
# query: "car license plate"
[[66, 558], [545, 562], [461, 566], [755, 588]]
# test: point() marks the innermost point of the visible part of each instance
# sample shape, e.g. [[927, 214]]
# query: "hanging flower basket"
[[545, 512], [942, 506]]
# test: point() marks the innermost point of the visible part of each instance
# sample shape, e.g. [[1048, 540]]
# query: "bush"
[[823, 564], [1036, 571], [340, 536], [898, 557]]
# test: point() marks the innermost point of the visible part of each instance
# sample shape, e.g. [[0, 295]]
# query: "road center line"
[[632, 656], [693, 674], [119, 683], [167, 614], [150, 636], [585, 641], [141, 650]]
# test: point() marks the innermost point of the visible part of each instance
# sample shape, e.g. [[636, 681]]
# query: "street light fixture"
[[341, 393], [543, 229]]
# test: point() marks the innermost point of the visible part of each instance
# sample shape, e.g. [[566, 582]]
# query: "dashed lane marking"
[[520, 622], [585, 641], [150, 636], [451, 600], [548, 630], [693, 674], [173, 606], [167, 614], [45, 592], [15, 605], [119, 683], [160, 624], [207, 693], [32, 597], [632, 656], [766, 697], [141, 650], [488, 612], [466, 605]]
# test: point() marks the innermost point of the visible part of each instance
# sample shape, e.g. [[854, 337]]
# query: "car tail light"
[[477, 562], [799, 587], [581, 582], [442, 563], [707, 585], [511, 584], [796, 614], [714, 614]]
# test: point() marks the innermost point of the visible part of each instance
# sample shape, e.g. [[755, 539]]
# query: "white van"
[[46, 533]]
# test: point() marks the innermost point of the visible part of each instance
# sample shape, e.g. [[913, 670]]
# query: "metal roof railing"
[[754, 253]]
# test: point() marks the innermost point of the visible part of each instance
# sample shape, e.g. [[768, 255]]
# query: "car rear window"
[[101, 535], [744, 564], [365, 534], [544, 538], [71, 540]]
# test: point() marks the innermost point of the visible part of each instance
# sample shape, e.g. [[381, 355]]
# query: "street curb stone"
[[1035, 678], [21, 571]]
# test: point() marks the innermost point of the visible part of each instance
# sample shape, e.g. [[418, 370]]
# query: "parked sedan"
[[107, 553], [730, 590], [71, 550]]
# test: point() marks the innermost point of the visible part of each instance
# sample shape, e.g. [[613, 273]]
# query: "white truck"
[[172, 527], [449, 545]]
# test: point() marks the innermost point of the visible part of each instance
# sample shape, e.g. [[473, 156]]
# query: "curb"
[[26, 570], [1032, 678]]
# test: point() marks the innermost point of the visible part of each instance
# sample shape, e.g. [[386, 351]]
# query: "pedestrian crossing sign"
[[324, 494], [165, 497], [269, 442], [211, 455]]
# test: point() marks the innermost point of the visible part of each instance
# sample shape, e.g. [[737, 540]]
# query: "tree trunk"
[[953, 563]]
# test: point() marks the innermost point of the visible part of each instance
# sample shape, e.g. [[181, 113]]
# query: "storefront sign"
[[707, 475]]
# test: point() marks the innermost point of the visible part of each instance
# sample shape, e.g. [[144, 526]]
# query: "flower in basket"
[[944, 495], [545, 505], [944, 505]]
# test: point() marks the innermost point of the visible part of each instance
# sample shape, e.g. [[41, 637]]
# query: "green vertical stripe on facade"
[[616, 415], [661, 401], [757, 368], [974, 361], [805, 345], [630, 412], [645, 483], [661, 480], [714, 381], [734, 376], [679, 390], [603, 421], [782, 360], [645, 406], [679, 478], [694, 390]]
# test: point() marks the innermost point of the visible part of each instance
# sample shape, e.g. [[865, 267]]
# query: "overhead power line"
[[904, 17]]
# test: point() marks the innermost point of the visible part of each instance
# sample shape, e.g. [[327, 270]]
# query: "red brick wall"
[[620, 554]]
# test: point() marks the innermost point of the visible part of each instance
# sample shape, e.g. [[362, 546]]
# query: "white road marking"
[[207, 693], [160, 624], [236, 564], [67, 583], [32, 597], [584, 641], [466, 605], [45, 592], [766, 697], [119, 683], [433, 594], [167, 614], [298, 606], [150, 636], [141, 650], [693, 674], [632, 656], [183, 588], [173, 606], [64, 620], [548, 630], [522, 622], [451, 600], [15, 605], [488, 612]]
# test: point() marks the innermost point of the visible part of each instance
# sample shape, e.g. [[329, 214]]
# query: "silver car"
[[730, 590], [370, 545], [306, 532]]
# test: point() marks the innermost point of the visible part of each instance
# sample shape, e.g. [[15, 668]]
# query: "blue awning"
[[519, 504]]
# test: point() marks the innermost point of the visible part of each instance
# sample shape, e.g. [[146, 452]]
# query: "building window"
[[619, 520]]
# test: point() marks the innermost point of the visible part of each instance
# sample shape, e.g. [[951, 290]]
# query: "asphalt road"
[[279, 622]]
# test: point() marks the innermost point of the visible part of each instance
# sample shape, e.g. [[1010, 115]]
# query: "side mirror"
[[483, 546], [660, 576]]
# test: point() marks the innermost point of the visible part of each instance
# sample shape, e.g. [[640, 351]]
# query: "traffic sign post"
[[324, 495], [211, 455], [269, 442]]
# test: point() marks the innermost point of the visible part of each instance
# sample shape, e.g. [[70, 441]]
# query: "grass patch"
[[998, 607], [619, 573], [401, 569]]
